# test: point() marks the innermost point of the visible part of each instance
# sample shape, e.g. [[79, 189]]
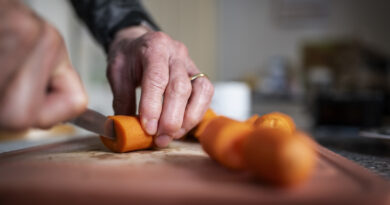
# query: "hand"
[[170, 104], [38, 85]]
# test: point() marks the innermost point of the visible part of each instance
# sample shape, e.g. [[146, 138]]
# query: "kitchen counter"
[[373, 154]]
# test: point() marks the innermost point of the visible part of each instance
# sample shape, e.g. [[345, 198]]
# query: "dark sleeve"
[[104, 17]]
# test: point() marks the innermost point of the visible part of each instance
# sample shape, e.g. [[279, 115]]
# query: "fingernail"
[[162, 141], [180, 133], [150, 126]]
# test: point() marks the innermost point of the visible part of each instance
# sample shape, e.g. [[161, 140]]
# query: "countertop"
[[373, 154]]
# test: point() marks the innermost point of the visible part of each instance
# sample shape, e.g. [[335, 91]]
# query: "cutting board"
[[83, 171]]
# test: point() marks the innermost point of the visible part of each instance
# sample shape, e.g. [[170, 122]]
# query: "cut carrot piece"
[[223, 139], [129, 135], [252, 119], [276, 120], [279, 157], [208, 116]]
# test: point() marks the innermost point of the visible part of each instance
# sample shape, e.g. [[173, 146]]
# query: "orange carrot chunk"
[[252, 119], [276, 120], [208, 116], [129, 135], [279, 157], [223, 139]]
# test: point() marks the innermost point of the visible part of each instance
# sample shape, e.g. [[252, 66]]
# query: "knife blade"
[[95, 122]]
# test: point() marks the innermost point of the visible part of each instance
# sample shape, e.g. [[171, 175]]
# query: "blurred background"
[[324, 62]]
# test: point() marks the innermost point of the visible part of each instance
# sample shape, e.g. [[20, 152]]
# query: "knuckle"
[[206, 88], [181, 48], [159, 36], [156, 49], [156, 80], [52, 36], [152, 51], [79, 103], [24, 29], [24, 23], [180, 87]]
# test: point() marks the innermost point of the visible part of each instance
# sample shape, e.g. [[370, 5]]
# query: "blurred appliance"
[[346, 83], [361, 110]]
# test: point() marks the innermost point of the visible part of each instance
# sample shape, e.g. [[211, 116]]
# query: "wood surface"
[[83, 171]]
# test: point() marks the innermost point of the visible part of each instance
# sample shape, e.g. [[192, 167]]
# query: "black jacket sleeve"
[[104, 17]]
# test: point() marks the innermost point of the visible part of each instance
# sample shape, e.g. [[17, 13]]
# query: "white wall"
[[248, 35]]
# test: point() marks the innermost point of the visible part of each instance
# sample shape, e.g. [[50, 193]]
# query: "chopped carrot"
[[276, 120], [252, 119], [223, 138], [129, 135], [278, 157], [208, 116]]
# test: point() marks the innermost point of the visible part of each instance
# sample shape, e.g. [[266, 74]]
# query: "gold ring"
[[199, 75]]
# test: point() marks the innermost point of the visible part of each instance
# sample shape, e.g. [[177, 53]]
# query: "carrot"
[[279, 157], [208, 116], [252, 119], [222, 139], [276, 120], [129, 135]]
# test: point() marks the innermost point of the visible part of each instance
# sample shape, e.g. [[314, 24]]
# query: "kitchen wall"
[[194, 24], [228, 39], [250, 32]]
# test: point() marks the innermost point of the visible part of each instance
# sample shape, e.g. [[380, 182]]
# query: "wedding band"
[[199, 75]]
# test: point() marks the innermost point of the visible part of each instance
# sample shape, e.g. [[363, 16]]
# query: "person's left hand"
[[170, 105]]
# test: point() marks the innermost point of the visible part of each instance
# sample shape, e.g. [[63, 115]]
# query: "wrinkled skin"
[[170, 104], [38, 85]]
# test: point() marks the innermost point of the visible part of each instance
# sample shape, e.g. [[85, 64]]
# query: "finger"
[[66, 98], [175, 99], [154, 82], [21, 101], [123, 89], [199, 102]]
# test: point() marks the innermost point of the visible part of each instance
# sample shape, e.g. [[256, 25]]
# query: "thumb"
[[122, 86]]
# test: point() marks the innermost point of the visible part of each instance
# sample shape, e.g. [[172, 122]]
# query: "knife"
[[96, 123]]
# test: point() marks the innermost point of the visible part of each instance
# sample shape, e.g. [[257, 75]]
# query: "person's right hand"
[[38, 85]]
